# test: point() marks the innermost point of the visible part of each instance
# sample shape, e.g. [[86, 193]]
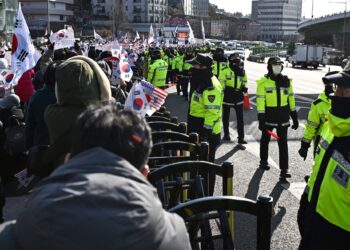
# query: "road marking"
[[296, 188]]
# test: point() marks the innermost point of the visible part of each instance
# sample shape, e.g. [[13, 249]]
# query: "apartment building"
[[279, 19], [41, 14]]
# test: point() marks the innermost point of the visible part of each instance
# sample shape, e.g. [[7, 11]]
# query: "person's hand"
[[76, 46], [51, 46], [303, 149], [295, 125], [206, 133]]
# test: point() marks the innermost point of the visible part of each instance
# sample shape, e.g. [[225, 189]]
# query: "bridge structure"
[[328, 30]]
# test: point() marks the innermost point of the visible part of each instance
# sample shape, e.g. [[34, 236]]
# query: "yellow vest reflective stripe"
[[227, 79]]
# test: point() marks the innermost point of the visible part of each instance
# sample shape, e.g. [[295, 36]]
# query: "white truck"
[[307, 55]]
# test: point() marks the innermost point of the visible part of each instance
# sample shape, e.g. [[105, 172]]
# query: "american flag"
[[155, 96]]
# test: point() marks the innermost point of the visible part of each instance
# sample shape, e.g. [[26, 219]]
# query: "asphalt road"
[[249, 181]]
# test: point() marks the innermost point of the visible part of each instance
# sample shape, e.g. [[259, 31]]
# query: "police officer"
[[157, 70], [177, 62], [324, 213], [220, 62], [316, 119], [275, 103], [185, 72], [206, 103], [234, 80]]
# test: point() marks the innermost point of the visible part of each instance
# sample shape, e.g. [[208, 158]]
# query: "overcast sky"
[[321, 7]]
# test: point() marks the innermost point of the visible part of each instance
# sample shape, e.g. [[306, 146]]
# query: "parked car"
[[345, 61], [241, 52]]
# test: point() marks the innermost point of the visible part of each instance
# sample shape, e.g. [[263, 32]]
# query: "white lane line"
[[296, 188]]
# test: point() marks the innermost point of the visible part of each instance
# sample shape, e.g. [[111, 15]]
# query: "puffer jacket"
[[95, 201]]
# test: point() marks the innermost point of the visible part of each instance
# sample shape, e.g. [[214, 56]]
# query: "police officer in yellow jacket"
[[157, 70], [220, 61], [316, 118], [275, 103], [185, 72], [324, 213], [234, 80], [206, 103]]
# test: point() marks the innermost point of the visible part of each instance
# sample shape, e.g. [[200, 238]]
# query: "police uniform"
[[157, 73], [220, 62], [324, 213], [315, 121], [275, 103], [176, 66], [234, 86], [185, 74], [205, 110]]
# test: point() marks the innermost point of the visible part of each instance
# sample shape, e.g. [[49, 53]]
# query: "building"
[[279, 19], [255, 10], [138, 13], [51, 14], [200, 8], [219, 28], [8, 13]]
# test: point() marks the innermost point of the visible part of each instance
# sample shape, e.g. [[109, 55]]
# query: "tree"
[[118, 16]]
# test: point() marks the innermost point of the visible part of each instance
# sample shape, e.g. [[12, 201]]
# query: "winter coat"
[[36, 129], [95, 201], [79, 83]]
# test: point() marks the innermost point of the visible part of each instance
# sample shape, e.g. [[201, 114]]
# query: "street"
[[249, 181]]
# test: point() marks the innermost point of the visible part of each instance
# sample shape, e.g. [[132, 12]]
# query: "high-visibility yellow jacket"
[[234, 86], [328, 186], [218, 67], [274, 100], [208, 106], [316, 118], [157, 73]]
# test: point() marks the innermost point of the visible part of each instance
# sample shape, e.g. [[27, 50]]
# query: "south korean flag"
[[23, 50]]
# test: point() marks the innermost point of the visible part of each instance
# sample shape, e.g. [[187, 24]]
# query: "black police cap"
[[274, 60], [202, 59], [341, 79]]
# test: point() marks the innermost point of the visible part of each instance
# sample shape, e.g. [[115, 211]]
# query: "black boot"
[[264, 165]]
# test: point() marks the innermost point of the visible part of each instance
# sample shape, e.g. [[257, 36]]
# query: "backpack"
[[15, 137]]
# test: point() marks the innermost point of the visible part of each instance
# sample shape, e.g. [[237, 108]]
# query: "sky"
[[321, 7]]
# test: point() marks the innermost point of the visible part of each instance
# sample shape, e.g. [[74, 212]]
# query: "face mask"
[[276, 69], [328, 90], [340, 106]]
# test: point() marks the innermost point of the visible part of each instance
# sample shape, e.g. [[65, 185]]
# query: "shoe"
[[264, 166], [226, 138], [284, 174], [242, 142]]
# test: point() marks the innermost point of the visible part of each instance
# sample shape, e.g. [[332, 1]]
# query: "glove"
[[294, 116], [206, 133], [303, 149], [261, 118]]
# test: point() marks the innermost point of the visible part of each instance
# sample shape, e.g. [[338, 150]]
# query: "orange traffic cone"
[[246, 102]]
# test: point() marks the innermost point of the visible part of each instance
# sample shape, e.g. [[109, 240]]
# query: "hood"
[[80, 82], [219, 58], [97, 201]]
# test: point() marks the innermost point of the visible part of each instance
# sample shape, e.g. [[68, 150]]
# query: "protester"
[[99, 199], [36, 129], [25, 87], [79, 82]]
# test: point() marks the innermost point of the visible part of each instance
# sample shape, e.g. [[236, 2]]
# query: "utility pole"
[[113, 19], [48, 17]]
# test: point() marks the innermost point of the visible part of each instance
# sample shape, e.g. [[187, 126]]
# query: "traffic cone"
[[246, 102]]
